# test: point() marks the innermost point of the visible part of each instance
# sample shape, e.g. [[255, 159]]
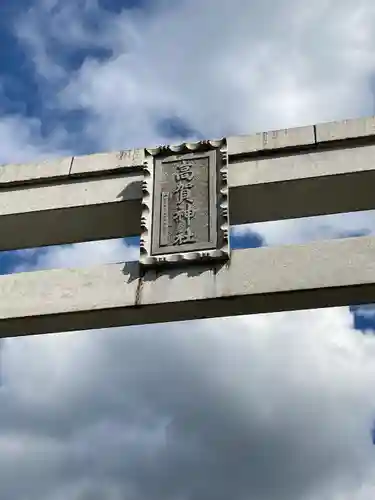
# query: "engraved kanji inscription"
[[184, 206], [185, 210], [186, 214]]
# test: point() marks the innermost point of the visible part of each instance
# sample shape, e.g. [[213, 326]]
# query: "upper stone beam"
[[270, 142], [345, 129], [301, 138], [274, 140], [48, 171], [271, 176]]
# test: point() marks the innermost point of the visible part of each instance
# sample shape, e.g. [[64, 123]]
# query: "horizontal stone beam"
[[274, 175], [108, 206], [70, 200], [313, 137], [302, 185], [321, 274], [70, 211]]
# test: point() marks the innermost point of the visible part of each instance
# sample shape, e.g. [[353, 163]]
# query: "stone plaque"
[[185, 205]]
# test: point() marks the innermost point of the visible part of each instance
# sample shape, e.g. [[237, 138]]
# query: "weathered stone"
[[260, 189], [277, 139], [184, 214], [184, 218], [35, 172], [107, 161], [345, 129], [318, 274]]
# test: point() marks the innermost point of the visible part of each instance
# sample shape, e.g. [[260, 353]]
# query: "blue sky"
[[198, 410]]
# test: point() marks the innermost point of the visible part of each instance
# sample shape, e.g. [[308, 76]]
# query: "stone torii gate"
[[181, 200]]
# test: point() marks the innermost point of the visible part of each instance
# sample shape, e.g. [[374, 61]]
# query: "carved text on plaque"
[[185, 209], [184, 190], [185, 205]]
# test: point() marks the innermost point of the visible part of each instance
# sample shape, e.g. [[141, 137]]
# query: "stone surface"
[[346, 129], [67, 195], [44, 170], [184, 206], [69, 212], [302, 185], [261, 189], [61, 291], [107, 161], [323, 273], [302, 166], [175, 285], [277, 139], [320, 264]]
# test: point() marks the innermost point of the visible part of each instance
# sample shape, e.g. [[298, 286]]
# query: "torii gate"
[[180, 200]]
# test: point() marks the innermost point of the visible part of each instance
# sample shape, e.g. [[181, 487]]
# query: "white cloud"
[[22, 140], [221, 67], [242, 407]]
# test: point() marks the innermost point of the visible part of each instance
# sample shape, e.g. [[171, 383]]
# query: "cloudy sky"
[[265, 407]]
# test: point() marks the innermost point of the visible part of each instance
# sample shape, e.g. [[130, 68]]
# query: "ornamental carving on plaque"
[[185, 204]]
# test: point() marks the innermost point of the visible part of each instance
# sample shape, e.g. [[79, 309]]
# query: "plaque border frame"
[[222, 250]]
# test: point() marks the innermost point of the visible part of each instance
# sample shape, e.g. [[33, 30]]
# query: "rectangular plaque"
[[187, 209]]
